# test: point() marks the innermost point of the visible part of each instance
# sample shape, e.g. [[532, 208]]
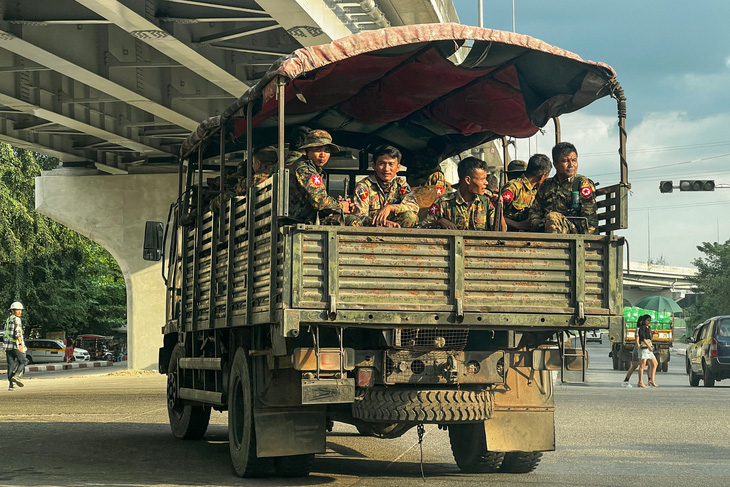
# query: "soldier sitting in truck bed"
[[518, 194], [264, 165], [385, 199], [308, 198], [566, 203], [467, 208]]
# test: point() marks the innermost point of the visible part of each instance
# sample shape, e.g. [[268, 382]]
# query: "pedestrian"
[[69, 349], [385, 199], [646, 350], [15, 346], [565, 203], [635, 355]]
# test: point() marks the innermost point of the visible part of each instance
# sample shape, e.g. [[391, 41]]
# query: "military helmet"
[[517, 165], [16, 305], [316, 138]]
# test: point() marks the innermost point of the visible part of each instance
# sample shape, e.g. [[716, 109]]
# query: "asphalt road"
[[87, 428]]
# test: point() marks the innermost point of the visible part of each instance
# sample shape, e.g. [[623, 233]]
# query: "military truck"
[[290, 326]]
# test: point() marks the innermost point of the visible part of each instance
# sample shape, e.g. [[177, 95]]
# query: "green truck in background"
[[289, 326], [623, 343]]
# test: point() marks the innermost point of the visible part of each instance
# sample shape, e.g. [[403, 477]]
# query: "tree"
[[65, 281], [713, 279]]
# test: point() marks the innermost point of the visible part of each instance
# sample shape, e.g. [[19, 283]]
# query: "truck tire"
[[241, 434], [614, 357], [469, 446], [186, 422], [422, 406], [383, 430], [708, 377], [665, 366], [294, 465], [520, 461]]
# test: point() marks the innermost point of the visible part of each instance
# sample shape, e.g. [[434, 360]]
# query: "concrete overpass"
[[641, 280], [111, 87]]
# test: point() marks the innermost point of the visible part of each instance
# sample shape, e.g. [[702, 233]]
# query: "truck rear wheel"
[[520, 461], [694, 379], [186, 422], [294, 465], [665, 366], [241, 434], [614, 357], [422, 406], [469, 446]]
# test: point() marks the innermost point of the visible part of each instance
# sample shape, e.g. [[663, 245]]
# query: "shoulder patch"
[[362, 193], [316, 180], [404, 190], [439, 190], [434, 209], [586, 191], [508, 196]]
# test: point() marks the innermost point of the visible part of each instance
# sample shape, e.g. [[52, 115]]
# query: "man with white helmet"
[[14, 345]]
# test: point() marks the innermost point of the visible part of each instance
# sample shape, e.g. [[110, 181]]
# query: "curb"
[[73, 365]]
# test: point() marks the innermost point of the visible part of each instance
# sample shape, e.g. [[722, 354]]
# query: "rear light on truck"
[[365, 377], [329, 359], [713, 348]]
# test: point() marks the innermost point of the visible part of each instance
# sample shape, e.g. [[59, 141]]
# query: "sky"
[[672, 59]]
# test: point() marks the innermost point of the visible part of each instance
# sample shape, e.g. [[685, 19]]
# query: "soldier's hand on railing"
[[444, 223], [381, 216]]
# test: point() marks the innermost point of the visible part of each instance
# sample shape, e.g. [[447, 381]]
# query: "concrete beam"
[[32, 146], [310, 22], [150, 33], [46, 58], [112, 211], [82, 127]]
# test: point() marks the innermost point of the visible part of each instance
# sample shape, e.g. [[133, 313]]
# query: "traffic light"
[[666, 186], [697, 185]]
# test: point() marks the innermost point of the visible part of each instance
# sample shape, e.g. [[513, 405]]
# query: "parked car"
[[43, 350], [708, 355], [594, 336]]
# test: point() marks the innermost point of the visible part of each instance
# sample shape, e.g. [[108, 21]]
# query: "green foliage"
[[713, 280], [65, 281]]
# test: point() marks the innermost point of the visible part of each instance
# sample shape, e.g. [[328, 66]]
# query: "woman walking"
[[646, 350]]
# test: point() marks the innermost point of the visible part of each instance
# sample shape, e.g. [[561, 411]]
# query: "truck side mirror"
[[153, 235], [690, 339]]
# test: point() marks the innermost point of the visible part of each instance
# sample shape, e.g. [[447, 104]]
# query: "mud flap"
[[524, 410], [289, 431]]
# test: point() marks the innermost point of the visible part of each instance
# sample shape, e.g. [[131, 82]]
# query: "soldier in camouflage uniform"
[[519, 194], [515, 169], [467, 208], [385, 199], [308, 198], [566, 203], [264, 165]]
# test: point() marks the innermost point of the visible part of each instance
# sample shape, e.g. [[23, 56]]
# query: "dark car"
[[708, 355]]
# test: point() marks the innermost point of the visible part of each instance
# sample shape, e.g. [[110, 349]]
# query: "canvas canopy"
[[400, 85]]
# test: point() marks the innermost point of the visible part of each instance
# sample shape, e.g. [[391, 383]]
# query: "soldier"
[[467, 208], [308, 198], [264, 165], [15, 346], [566, 203], [385, 199], [515, 169], [519, 194]]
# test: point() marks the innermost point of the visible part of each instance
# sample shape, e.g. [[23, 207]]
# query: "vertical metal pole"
[[250, 212], [513, 16], [556, 121], [279, 204], [480, 4], [222, 185], [196, 246]]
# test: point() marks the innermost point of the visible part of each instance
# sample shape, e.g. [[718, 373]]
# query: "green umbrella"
[[659, 304]]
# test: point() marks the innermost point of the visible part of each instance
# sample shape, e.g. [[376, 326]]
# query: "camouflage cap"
[[517, 165], [316, 138]]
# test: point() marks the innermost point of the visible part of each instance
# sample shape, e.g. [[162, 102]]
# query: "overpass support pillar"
[[111, 210]]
